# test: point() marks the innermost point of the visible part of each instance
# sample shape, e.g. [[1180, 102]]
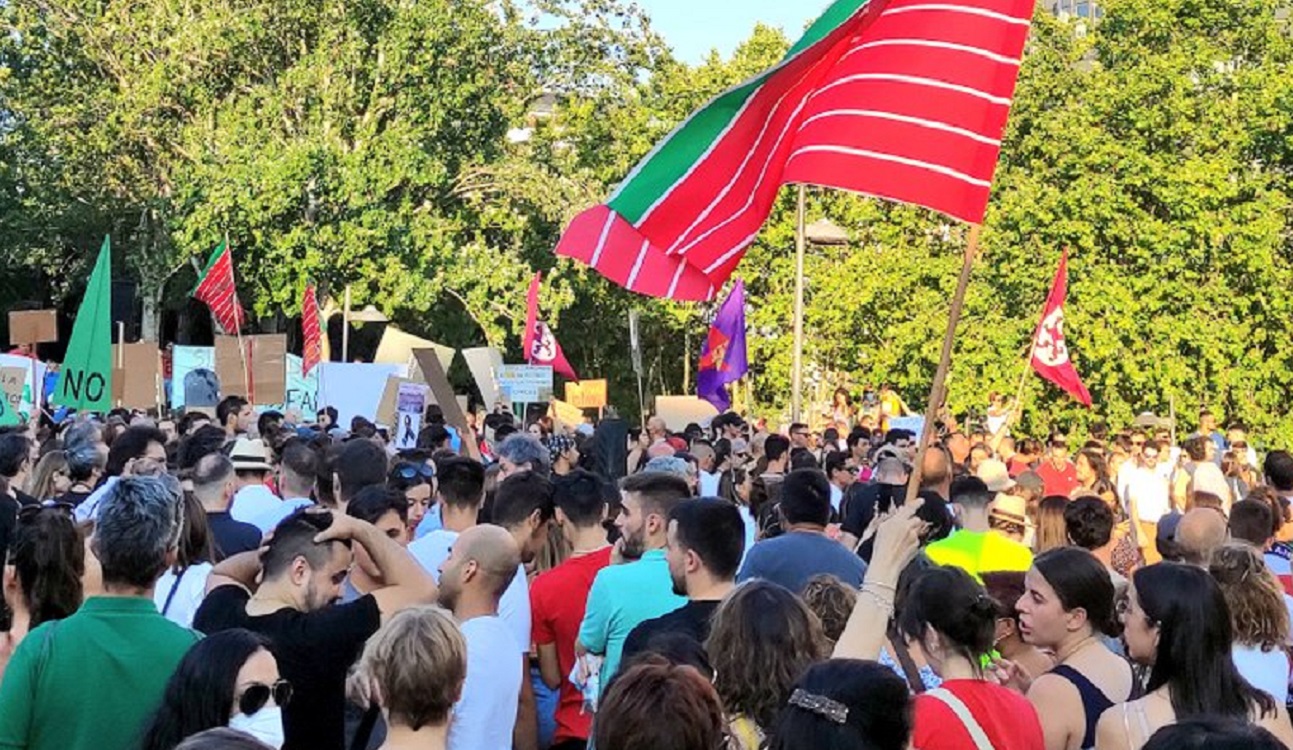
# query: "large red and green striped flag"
[[216, 288], [900, 99]]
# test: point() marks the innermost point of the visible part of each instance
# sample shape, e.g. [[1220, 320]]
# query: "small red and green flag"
[[900, 99], [216, 288]]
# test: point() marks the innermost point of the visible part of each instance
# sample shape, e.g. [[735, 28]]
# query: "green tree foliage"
[[397, 147]]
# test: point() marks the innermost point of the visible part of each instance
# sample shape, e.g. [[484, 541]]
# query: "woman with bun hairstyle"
[[1067, 608], [952, 620]]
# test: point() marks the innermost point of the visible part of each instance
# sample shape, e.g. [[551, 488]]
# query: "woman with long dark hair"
[[227, 679], [42, 580], [762, 638], [180, 590], [1067, 608], [1177, 623]]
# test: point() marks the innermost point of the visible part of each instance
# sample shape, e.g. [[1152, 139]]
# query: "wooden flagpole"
[[937, 390]]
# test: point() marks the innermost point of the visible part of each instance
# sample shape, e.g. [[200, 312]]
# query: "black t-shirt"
[[232, 537], [690, 620], [862, 500], [315, 650], [24, 499]]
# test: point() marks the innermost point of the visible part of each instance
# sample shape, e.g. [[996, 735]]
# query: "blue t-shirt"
[[793, 558], [623, 597]]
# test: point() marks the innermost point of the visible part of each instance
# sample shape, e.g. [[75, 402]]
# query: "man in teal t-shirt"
[[623, 596], [92, 680], [975, 547]]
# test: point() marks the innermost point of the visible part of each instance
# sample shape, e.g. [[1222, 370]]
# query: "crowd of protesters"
[[238, 580]]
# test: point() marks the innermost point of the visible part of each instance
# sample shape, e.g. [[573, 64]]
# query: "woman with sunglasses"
[[416, 479], [42, 580], [1176, 622], [228, 679]]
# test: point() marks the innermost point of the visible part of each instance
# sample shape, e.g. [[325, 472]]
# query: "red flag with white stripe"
[[901, 99], [311, 330], [538, 341], [216, 288]]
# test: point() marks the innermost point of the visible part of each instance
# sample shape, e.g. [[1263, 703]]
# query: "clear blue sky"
[[694, 27]]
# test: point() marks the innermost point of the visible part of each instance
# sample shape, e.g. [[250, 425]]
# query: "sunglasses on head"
[[409, 471], [257, 694], [28, 512]]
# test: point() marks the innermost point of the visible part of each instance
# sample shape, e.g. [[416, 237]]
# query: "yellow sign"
[[587, 394]]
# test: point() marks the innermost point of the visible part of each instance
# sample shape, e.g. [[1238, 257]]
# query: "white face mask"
[[265, 725]]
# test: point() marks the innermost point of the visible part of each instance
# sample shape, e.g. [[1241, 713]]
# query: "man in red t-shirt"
[[1058, 473], [558, 599]]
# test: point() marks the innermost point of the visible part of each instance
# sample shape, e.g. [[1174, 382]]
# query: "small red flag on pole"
[[1050, 350], [540, 345], [312, 351]]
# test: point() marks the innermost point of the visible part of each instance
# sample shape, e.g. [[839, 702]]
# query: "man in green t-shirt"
[[975, 547], [92, 680]]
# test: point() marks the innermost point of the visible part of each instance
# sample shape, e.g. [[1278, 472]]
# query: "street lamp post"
[[821, 232]]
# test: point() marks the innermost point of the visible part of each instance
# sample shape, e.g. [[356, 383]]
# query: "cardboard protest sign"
[[267, 355], [193, 378], [485, 363], [397, 347], [525, 383], [12, 380], [229, 367], [388, 407], [354, 389], [680, 411], [408, 418], [34, 382], [86, 381], [140, 375], [32, 326], [565, 414], [587, 394], [442, 390]]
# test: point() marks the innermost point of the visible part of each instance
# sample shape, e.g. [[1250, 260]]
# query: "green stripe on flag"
[[669, 163], [211, 261]]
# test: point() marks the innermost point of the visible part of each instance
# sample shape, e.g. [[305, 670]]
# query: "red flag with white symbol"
[[539, 343], [1050, 351]]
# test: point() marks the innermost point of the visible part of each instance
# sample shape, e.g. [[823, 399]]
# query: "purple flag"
[[722, 357]]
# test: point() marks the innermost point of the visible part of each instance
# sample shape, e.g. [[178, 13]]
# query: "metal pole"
[[345, 328], [944, 361], [797, 372]]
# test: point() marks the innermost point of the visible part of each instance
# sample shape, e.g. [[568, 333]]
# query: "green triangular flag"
[[86, 380]]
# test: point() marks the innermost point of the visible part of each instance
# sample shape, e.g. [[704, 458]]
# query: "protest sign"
[[354, 389], [587, 394], [525, 383], [34, 385], [408, 418], [302, 391], [142, 365], [444, 396], [914, 425], [485, 363], [565, 414], [12, 380], [193, 377], [388, 408], [680, 411], [32, 327], [263, 381], [397, 347], [86, 381], [229, 367]]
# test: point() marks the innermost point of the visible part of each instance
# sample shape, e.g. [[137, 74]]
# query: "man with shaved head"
[[480, 567], [1200, 533]]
